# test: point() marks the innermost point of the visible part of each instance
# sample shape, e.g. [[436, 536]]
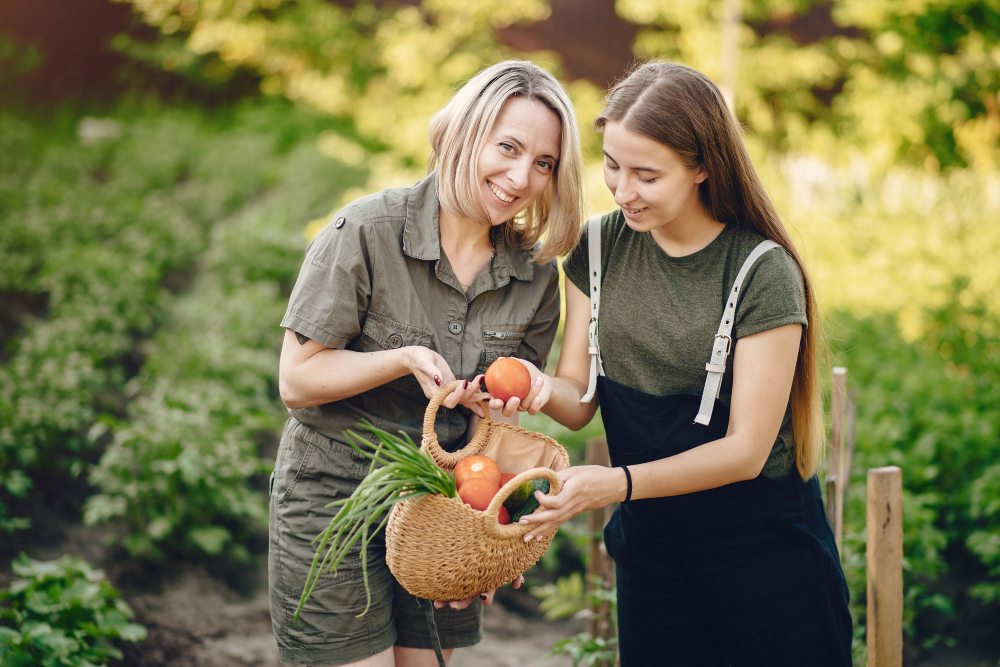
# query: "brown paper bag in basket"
[[439, 548]]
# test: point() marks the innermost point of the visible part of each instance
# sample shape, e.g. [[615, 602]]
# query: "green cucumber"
[[531, 504]]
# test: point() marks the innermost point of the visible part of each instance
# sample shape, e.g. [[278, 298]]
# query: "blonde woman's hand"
[[486, 597], [429, 367], [470, 394]]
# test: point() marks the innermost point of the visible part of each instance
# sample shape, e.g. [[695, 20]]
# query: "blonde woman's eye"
[[547, 166], [507, 147]]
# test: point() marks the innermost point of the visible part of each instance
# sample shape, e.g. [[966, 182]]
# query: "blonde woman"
[[691, 316], [405, 290]]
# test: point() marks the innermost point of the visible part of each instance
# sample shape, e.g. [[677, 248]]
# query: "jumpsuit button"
[[455, 327], [339, 222], [442, 413], [395, 340]]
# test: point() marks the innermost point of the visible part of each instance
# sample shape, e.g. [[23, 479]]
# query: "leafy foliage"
[[930, 408], [62, 613], [893, 80], [138, 324]]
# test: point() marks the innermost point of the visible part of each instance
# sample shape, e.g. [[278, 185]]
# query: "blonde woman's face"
[[519, 158], [649, 180]]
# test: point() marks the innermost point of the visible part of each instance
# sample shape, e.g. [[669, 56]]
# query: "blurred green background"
[[164, 162]]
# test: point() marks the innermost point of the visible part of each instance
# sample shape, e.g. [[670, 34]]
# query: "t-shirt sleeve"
[[541, 331], [773, 296], [577, 262], [330, 298]]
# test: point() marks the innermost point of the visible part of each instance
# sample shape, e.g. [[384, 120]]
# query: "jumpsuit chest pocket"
[[499, 340], [384, 333]]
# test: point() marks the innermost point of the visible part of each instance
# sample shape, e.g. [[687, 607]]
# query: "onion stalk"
[[399, 471]]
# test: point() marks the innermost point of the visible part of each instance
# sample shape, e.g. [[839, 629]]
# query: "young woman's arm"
[[763, 367], [310, 374]]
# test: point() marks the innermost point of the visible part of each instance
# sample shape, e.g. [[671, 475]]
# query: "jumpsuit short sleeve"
[[331, 295]]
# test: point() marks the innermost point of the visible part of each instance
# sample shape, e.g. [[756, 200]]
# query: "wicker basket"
[[439, 548]]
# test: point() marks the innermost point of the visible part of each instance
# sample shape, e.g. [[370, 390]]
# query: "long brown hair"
[[681, 108]]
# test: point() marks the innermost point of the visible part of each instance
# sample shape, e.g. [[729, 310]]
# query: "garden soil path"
[[197, 621]]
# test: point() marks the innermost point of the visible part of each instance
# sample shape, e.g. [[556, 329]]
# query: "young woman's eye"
[[544, 164], [507, 147], [650, 180], [612, 167]]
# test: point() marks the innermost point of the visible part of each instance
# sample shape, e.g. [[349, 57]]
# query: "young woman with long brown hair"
[[724, 554]]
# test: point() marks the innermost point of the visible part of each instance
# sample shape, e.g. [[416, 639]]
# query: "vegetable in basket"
[[400, 470]]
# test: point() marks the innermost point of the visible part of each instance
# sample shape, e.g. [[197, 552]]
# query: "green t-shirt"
[[659, 313]]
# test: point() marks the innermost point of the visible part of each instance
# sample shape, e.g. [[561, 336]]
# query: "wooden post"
[[885, 567], [835, 502], [599, 564], [849, 441]]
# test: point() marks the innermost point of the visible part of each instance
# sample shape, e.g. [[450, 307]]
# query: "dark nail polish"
[[482, 596], [437, 380], [466, 385]]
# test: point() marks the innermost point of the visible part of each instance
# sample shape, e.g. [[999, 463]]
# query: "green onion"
[[399, 471]]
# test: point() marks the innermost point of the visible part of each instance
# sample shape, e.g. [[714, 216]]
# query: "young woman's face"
[[519, 158], [650, 182]]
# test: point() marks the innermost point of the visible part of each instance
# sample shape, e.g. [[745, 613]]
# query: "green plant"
[[399, 471], [62, 613], [584, 649]]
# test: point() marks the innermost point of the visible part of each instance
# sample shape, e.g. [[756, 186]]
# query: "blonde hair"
[[681, 108], [459, 131]]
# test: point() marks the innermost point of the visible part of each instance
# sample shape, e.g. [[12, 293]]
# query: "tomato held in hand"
[[478, 492], [476, 466], [507, 377]]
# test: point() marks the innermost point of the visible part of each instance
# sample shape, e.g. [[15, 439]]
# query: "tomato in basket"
[[478, 492], [476, 466], [506, 477], [503, 518]]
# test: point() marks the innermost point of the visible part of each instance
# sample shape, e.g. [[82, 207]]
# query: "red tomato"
[[507, 377], [506, 477], [504, 517], [478, 492], [476, 466]]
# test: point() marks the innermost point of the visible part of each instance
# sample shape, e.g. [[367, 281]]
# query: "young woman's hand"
[[541, 390], [584, 488], [486, 597]]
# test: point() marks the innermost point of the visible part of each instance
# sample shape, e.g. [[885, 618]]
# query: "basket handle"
[[429, 439], [492, 511]]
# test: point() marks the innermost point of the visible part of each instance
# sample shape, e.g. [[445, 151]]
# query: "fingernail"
[[482, 596], [527, 538], [437, 380], [466, 385]]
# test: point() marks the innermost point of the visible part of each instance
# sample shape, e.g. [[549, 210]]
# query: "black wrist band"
[[628, 480]]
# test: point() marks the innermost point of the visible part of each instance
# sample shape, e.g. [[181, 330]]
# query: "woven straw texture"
[[439, 548]]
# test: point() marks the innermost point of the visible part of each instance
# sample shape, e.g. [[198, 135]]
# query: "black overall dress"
[[747, 574]]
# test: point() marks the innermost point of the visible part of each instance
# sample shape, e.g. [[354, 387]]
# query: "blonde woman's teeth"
[[501, 194]]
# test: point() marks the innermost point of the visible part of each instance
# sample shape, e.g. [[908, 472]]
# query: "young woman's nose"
[[624, 194]]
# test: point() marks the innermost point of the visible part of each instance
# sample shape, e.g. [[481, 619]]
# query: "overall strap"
[[594, 248], [716, 365]]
